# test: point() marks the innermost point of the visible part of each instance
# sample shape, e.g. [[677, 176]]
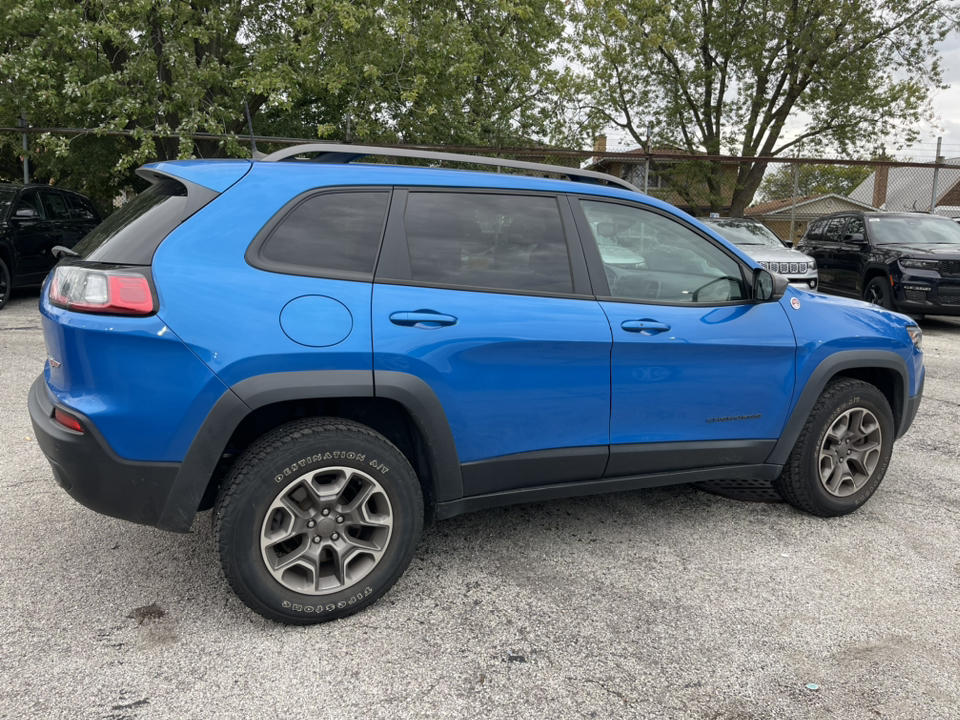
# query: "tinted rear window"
[[6, 197], [487, 241], [81, 209], [133, 233], [335, 232]]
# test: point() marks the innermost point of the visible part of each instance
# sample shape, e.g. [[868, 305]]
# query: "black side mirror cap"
[[768, 286], [856, 238]]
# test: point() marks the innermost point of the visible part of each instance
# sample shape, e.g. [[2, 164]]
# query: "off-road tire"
[[271, 472], [801, 483]]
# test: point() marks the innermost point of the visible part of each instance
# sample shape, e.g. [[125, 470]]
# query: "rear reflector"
[[67, 420], [121, 291]]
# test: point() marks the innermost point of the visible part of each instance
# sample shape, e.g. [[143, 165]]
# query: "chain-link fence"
[[784, 194]]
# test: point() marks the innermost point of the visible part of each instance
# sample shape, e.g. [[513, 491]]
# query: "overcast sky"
[[946, 121]]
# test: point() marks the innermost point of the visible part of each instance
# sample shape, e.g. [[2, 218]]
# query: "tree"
[[813, 180], [468, 71], [727, 76]]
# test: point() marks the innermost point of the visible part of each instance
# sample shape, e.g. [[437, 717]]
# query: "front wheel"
[[843, 451], [878, 292], [318, 519]]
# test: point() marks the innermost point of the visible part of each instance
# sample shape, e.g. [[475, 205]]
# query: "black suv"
[[908, 262], [33, 220]]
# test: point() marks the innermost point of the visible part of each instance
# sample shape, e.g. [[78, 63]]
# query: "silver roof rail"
[[332, 153]]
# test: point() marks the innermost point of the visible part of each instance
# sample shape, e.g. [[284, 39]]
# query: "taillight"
[[112, 291]]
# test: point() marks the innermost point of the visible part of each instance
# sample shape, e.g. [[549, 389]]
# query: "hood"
[[770, 254], [915, 250], [841, 304]]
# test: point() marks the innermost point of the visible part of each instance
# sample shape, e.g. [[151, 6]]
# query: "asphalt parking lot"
[[667, 603]]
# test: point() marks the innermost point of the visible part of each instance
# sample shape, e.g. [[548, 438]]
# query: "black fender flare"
[[830, 366], [239, 401]]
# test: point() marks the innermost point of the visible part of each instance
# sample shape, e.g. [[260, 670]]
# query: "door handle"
[[646, 326], [422, 319]]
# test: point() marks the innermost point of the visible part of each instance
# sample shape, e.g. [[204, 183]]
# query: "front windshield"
[[913, 230], [742, 233]]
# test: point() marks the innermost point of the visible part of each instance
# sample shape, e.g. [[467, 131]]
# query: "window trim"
[[394, 267], [254, 254], [595, 262]]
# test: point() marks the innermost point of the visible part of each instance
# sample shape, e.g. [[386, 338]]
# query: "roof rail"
[[332, 153]]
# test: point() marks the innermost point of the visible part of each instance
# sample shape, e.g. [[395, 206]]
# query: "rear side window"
[[6, 198], [81, 209], [133, 233], [331, 233], [56, 205], [832, 231], [487, 240], [815, 231]]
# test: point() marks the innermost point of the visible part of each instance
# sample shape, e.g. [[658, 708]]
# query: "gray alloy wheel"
[[317, 519], [850, 452], [843, 451], [326, 531]]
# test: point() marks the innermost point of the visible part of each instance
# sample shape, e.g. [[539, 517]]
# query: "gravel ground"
[[667, 603]]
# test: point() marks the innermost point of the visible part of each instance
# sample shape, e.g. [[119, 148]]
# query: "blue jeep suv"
[[332, 353]]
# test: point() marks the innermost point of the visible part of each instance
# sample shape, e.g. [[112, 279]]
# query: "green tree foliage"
[[727, 76], [455, 71], [813, 180]]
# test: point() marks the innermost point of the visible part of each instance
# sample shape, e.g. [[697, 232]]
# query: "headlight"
[[812, 264], [916, 334], [919, 264]]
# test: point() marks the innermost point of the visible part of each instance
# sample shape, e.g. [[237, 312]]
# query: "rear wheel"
[[317, 520], [6, 283], [843, 451], [878, 292]]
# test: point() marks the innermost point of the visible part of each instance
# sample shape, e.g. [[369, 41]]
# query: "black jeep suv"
[[908, 262], [33, 220]]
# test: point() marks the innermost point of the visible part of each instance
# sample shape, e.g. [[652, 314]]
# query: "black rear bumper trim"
[[92, 473]]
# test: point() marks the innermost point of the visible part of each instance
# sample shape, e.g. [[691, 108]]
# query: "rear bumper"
[[92, 474]]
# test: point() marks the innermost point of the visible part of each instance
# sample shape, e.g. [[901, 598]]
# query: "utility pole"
[[936, 178], [646, 163]]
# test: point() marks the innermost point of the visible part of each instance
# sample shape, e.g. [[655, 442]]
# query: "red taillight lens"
[[121, 291], [67, 420]]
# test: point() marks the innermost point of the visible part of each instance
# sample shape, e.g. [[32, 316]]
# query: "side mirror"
[[768, 286], [855, 238]]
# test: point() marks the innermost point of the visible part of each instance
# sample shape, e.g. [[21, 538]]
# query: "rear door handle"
[[422, 319], [646, 326]]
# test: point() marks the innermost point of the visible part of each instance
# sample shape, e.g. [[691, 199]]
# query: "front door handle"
[[422, 319], [646, 326]]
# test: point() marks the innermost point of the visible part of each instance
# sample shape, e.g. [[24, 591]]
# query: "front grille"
[[950, 268], [785, 268]]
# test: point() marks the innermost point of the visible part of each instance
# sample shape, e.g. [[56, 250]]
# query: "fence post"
[[936, 178], [793, 204]]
